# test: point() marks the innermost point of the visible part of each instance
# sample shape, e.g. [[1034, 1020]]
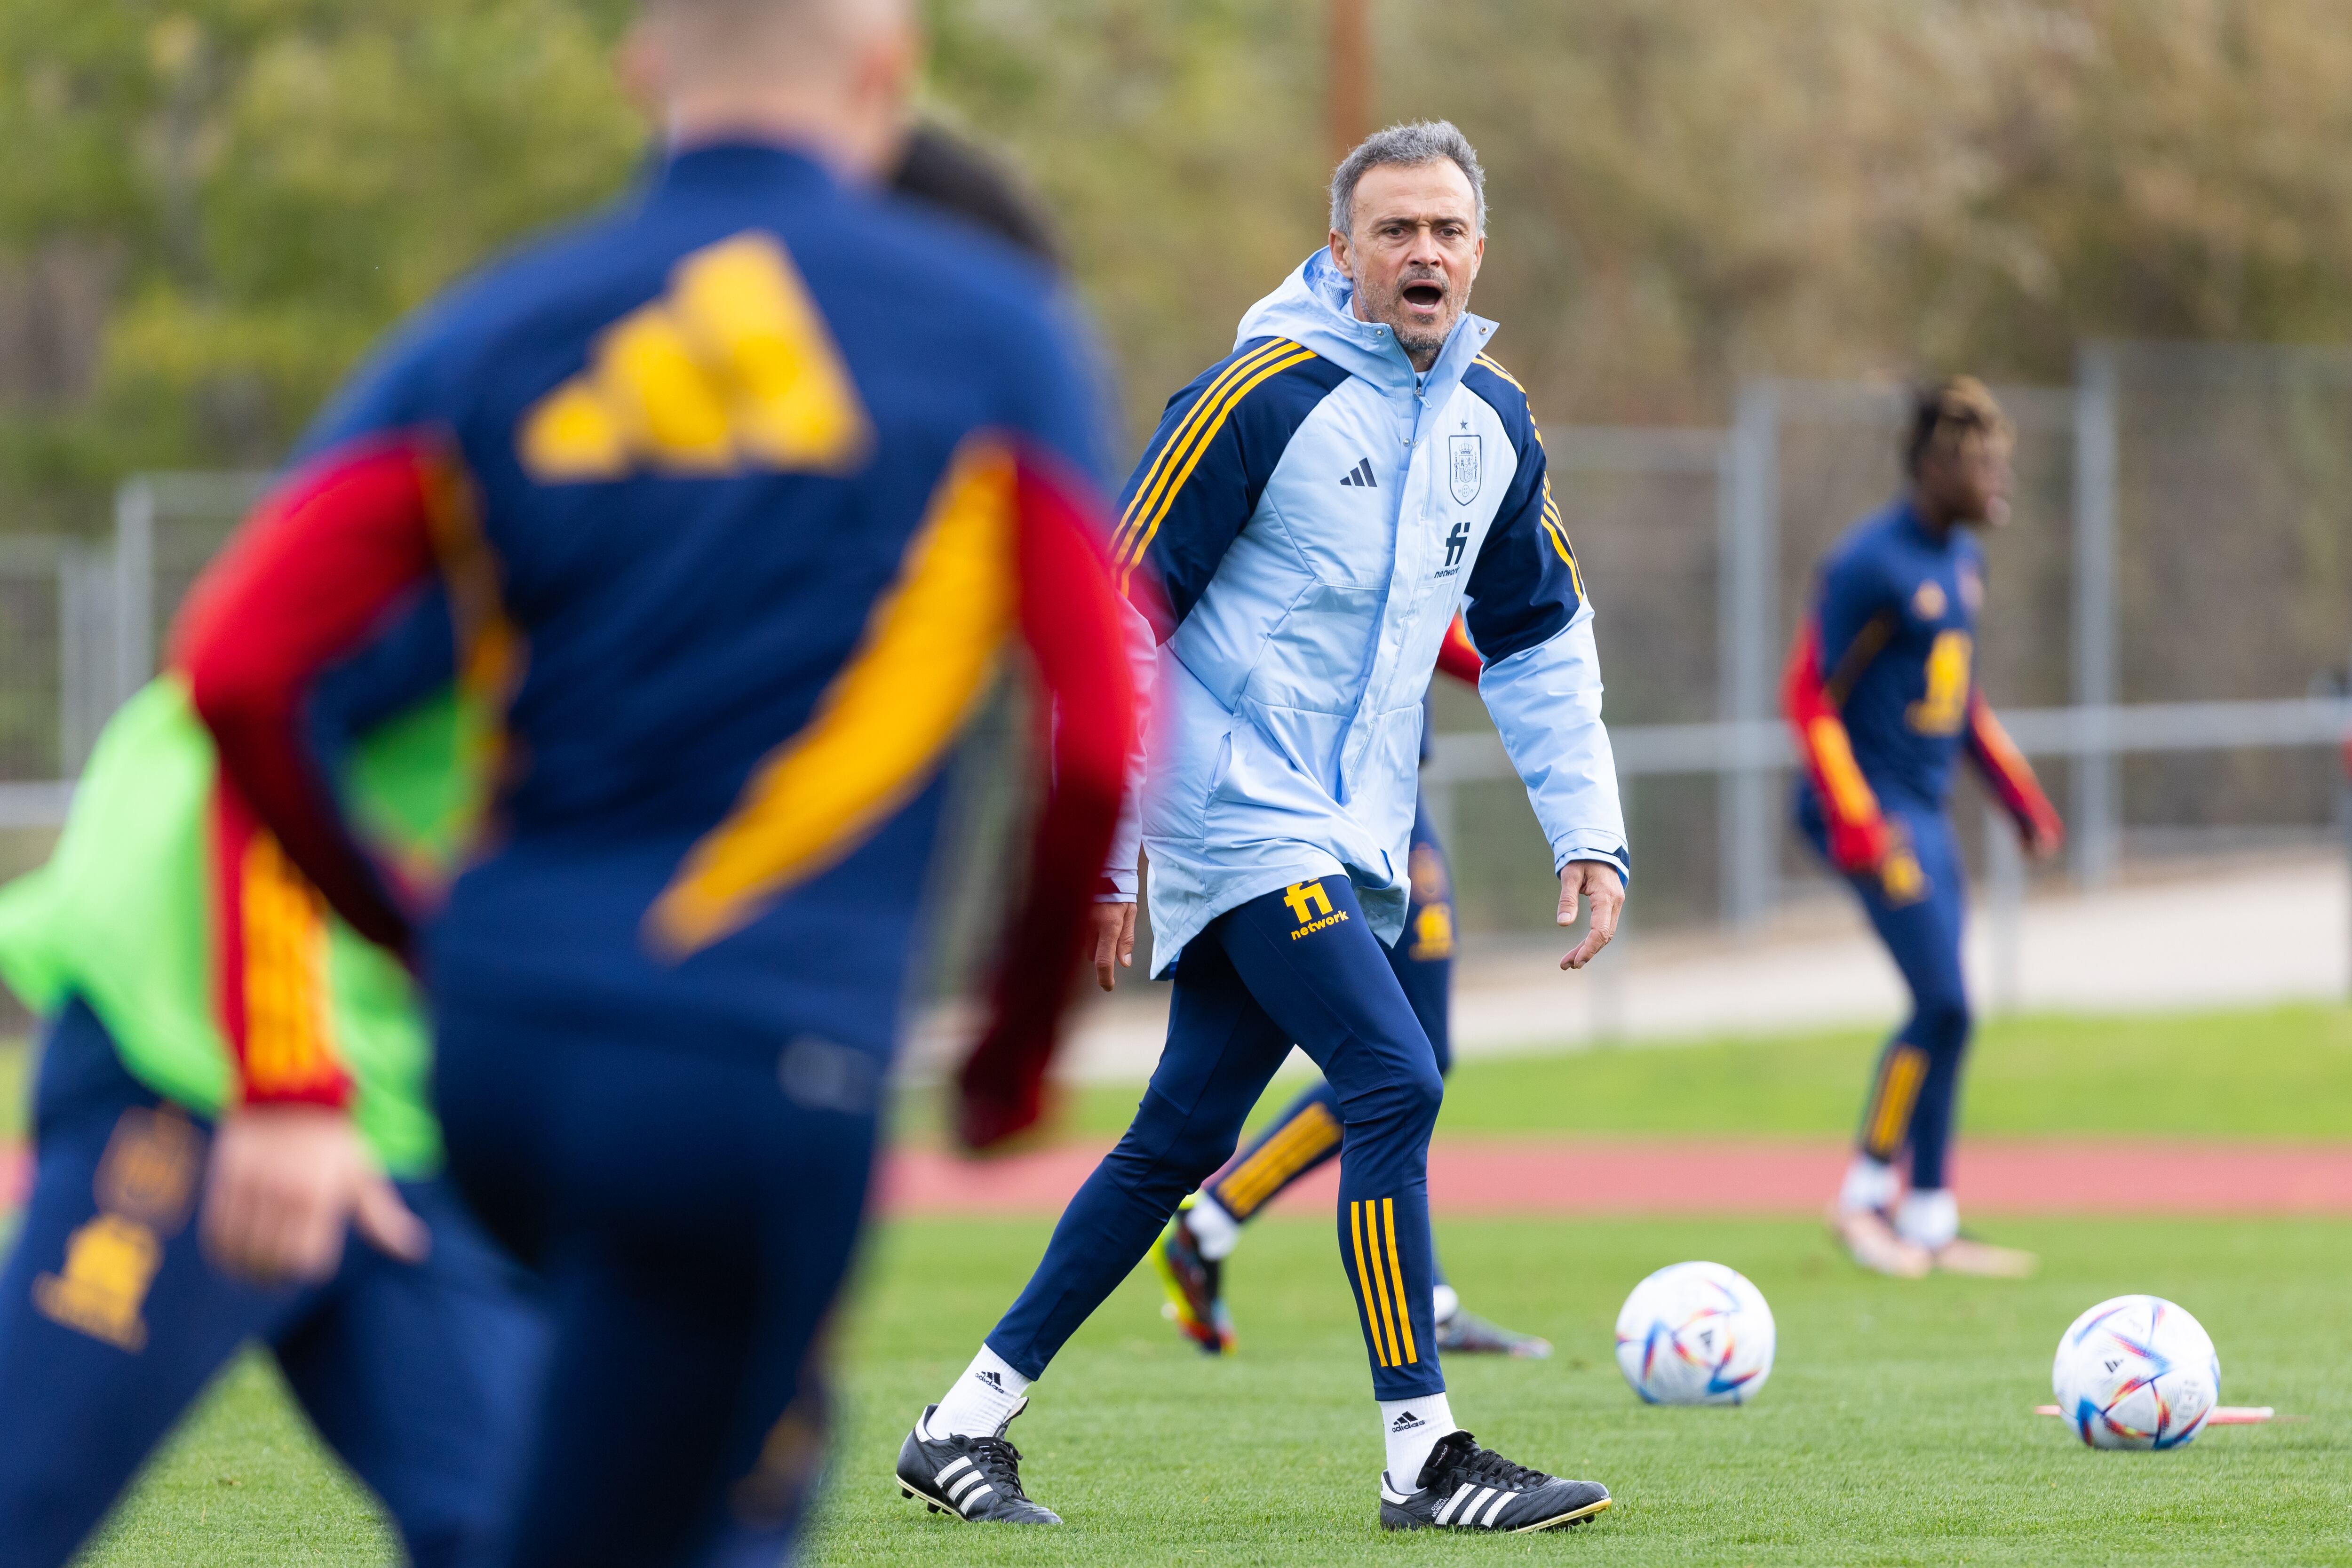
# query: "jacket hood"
[[1312, 308]]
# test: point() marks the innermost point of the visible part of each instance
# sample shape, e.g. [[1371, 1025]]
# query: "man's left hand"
[[1598, 883], [1113, 934]]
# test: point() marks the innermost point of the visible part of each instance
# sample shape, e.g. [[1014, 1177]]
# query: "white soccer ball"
[[1695, 1334], [2137, 1373]]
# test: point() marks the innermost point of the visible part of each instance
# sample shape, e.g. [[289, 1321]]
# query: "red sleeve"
[[1859, 836], [1070, 618], [269, 966], [1458, 657], [2010, 777], [306, 578]]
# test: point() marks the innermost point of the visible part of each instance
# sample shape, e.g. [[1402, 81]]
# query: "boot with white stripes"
[[977, 1479], [1465, 1486]]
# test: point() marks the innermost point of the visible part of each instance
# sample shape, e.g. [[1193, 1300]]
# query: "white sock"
[[1411, 1428], [1928, 1216], [983, 1399], [1869, 1184], [1214, 1232], [1447, 1301]]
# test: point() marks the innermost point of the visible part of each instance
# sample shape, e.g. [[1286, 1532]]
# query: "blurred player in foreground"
[[1191, 1255], [1303, 528], [741, 492], [195, 989], [1881, 690]]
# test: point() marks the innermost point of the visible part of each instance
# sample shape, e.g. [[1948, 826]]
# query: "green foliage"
[[1179, 142], [268, 184], [211, 206]]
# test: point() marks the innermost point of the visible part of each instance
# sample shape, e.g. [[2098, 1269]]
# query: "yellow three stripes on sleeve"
[[1371, 1226], [1176, 460], [883, 723], [1553, 528]]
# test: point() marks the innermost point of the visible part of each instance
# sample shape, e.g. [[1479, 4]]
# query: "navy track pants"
[[1296, 965], [1914, 1093], [1305, 1136]]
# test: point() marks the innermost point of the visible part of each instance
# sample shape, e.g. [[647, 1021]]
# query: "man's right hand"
[[1114, 943], [285, 1182]]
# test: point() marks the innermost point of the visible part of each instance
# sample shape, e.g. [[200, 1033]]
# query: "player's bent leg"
[[112, 1322], [1927, 1216], [425, 1379], [1310, 960], [1305, 1136], [1189, 1257], [1423, 960], [1921, 935]]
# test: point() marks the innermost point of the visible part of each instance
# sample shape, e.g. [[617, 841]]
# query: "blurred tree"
[[210, 207], [1685, 190], [1179, 142]]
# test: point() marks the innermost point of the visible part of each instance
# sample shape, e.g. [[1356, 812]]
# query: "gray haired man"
[[1305, 525]]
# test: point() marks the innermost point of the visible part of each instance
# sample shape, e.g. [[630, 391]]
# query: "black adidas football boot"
[[1467, 1333], [977, 1479], [1465, 1486]]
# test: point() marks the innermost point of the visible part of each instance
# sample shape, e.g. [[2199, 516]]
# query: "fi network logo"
[[1312, 905], [1456, 543]]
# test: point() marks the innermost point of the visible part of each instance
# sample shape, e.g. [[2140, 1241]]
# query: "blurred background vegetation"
[[208, 209]]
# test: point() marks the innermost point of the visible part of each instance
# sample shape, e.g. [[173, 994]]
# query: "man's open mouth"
[[1426, 296]]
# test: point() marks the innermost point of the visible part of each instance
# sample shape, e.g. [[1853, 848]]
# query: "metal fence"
[[2166, 630]]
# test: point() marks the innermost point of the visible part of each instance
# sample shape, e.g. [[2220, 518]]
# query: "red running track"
[[1556, 1176]]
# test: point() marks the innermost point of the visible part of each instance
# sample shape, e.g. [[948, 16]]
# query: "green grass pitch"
[[1896, 1429], [2272, 1073]]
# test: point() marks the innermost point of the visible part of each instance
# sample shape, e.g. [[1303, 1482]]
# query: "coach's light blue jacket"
[[1307, 521]]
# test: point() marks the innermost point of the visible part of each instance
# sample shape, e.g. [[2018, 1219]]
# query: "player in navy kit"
[[1881, 690], [741, 493]]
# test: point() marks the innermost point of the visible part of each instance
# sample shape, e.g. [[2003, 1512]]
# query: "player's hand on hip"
[[286, 1182], [1604, 891], [1114, 945]]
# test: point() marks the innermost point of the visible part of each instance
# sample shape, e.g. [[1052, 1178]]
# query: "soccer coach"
[[1307, 521]]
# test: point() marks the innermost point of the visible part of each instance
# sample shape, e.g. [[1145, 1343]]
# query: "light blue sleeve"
[[1546, 703]]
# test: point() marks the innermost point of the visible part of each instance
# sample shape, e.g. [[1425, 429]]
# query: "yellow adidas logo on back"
[[734, 370]]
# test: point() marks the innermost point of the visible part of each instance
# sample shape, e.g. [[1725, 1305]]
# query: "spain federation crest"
[[1462, 468]]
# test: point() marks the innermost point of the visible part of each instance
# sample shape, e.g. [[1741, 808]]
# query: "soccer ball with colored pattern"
[[2135, 1372], [1695, 1334]]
